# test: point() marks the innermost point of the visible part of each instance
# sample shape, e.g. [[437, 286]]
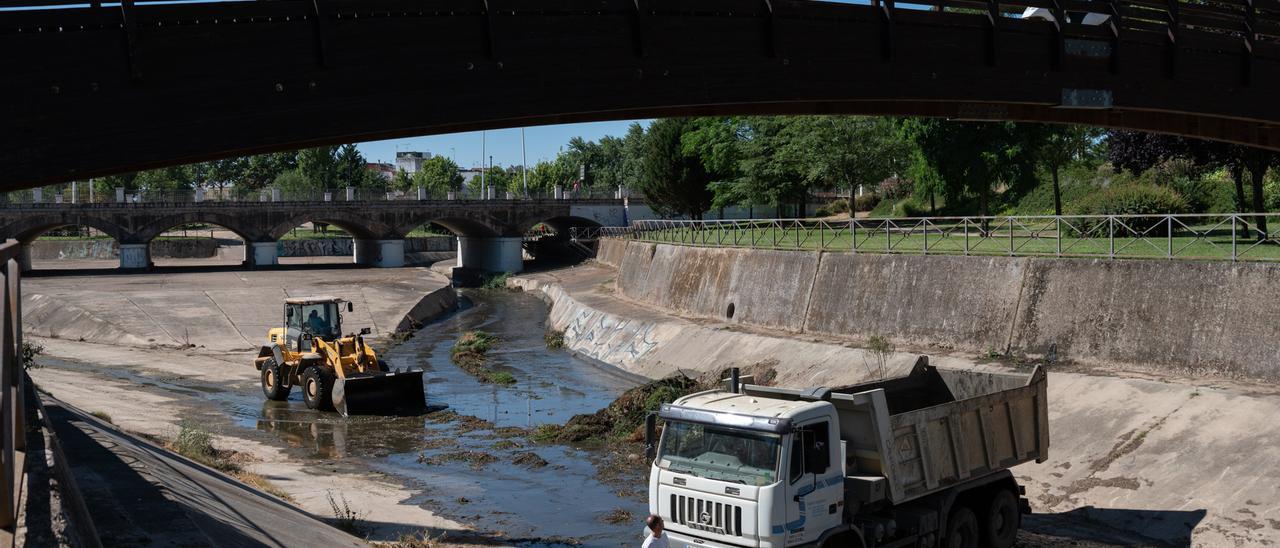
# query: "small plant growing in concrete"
[[498, 281], [103, 416], [881, 351], [30, 351], [554, 339], [344, 517]]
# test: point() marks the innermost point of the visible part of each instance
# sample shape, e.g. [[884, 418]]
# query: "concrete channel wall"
[[1183, 317], [342, 247], [187, 248]]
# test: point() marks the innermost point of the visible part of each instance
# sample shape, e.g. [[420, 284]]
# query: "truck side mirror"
[[350, 308], [650, 433]]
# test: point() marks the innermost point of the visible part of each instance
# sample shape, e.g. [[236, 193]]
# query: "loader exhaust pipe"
[[735, 380]]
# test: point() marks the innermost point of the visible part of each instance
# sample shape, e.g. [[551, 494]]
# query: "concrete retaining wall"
[[192, 248], [610, 250], [340, 247], [1182, 317]]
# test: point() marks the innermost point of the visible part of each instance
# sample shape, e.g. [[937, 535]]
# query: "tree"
[[673, 181], [847, 151], [320, 166], [772, 163], [293, 182], [402, 181], [438, 175], [351, 169], [972, 157], [1059, 146], [262, 170]]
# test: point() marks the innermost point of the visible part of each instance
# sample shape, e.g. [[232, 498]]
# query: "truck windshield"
[[719, 453]]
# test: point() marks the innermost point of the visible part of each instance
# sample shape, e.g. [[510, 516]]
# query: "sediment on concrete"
[[1183, 317]]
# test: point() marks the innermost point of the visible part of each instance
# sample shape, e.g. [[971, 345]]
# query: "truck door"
[[815, 485]]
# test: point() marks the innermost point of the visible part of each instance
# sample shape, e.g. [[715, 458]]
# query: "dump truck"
[[921, 460], [336, 372]]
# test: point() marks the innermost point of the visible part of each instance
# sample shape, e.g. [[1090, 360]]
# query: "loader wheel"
[[962, 529], [275, 386], [317, 387], [1003, 518]]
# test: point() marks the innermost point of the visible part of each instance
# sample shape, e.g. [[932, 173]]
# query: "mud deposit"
[[470, 459]]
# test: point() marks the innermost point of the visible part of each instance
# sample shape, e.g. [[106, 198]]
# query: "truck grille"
[[705, 515]]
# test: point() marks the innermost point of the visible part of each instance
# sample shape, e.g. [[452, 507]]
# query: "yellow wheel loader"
[[336, 372]]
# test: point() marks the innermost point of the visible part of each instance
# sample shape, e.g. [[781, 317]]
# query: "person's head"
[[315, 314], [654, 523]]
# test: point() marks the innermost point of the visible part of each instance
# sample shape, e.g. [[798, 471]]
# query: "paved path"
[[142, 495]]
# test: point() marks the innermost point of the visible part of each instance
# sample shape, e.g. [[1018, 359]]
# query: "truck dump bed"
[[912, 436], [943, 427]]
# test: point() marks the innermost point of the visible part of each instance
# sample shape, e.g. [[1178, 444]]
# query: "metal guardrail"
[[82, 195], [13, 420], [1234, 237]]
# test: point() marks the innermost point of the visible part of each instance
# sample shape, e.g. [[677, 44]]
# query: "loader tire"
[[317, 389], [275, 385]]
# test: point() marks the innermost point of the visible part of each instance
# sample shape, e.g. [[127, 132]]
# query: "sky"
[[541, 142]]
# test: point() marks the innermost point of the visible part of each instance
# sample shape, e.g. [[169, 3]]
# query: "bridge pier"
[[380, 253], [491, 254], [135, 256], [261, 254]]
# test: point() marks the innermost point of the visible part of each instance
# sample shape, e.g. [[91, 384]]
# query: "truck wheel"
[[962, 529], [275, 386], [317, 385], [1003, 519]]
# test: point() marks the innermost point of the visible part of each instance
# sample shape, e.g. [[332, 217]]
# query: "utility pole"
[[524, 164], [483, 191]]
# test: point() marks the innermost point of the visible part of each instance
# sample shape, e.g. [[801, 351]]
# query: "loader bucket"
[[380, 394]]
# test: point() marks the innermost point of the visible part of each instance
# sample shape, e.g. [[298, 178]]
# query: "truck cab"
[[747, 471], [915, 461]]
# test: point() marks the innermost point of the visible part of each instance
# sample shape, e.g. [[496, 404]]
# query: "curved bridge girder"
[[187, 82]]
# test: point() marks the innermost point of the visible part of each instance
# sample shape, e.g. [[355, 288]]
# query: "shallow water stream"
[[485, 487]]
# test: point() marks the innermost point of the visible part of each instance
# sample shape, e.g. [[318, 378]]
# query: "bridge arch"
[[28, 228], [236, 225]]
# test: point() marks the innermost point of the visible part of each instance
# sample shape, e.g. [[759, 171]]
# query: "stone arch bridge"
[[489, 232]]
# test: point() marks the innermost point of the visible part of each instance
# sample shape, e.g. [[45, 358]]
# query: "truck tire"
[[275, 386], [1003, 519], [962, 529], [317, 389]]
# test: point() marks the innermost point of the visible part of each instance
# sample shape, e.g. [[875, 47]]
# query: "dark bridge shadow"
[[1118, 526]]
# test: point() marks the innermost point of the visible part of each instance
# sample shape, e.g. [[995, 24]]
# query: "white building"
[[411, 162]]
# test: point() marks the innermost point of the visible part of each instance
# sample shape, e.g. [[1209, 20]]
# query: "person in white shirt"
[[655, 539]]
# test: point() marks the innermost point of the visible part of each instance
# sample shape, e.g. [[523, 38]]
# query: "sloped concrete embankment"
[[1153, 462], [222, 311], [1174, 317]]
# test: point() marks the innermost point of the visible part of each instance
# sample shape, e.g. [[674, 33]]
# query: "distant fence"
[[82, 194], [1233, 237]]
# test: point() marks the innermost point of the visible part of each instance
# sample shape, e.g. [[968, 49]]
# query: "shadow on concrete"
[[1123, 526], [139, 494], [391, 532]]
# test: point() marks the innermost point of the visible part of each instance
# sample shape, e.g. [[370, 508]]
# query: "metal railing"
[[1233, 237], [13, 420], [82, 195]]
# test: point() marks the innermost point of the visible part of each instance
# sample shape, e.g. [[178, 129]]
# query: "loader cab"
[[312, 318]]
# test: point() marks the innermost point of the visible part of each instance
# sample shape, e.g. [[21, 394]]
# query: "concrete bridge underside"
[[490, 233], [98, 90]]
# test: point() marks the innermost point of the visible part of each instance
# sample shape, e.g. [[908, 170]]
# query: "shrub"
[[910, 207], [895, 187], [1134, 199], [554, 339], [866, 202], [29, 352], [834, 207]]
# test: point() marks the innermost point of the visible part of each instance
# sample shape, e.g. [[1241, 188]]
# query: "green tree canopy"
[[438, 175], [673, 181]]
